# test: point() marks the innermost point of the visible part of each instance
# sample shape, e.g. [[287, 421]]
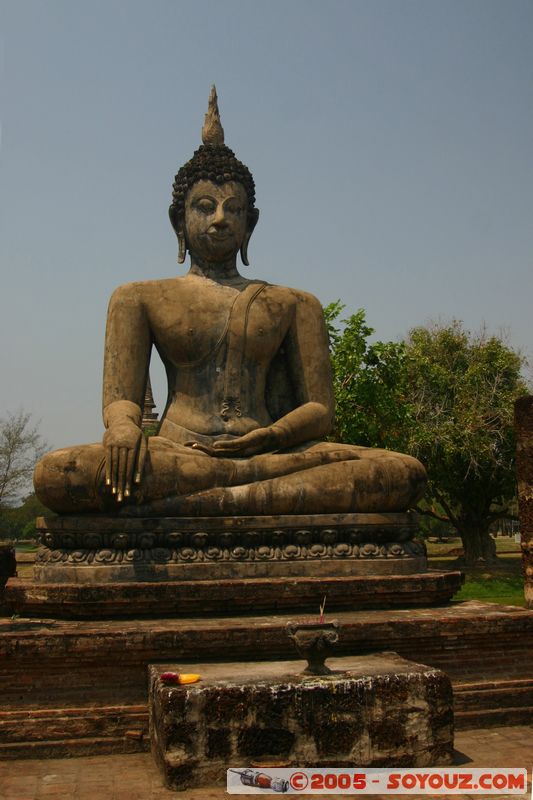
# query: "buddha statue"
[[250, 400]]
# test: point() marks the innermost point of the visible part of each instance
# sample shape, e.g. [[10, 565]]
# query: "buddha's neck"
[[216, 271]]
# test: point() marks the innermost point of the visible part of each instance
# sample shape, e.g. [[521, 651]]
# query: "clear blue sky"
[[390, 141]]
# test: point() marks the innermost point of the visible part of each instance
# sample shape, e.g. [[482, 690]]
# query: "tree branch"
[[446, 506], [429, 513]]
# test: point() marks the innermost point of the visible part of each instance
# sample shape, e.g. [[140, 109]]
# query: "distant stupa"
[[149, 417]]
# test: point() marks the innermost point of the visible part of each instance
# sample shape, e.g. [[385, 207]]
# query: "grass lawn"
[[483, 585], [504, 544], [495, 583], [26, 547]]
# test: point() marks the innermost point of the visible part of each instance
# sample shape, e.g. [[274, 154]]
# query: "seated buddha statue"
[[250, 399]]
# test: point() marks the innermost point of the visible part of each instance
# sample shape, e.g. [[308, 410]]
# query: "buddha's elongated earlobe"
[[177, 222], [244, 248], [247, 236], [182, 247]]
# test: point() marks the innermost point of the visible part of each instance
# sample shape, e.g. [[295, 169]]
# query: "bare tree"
[[21, 445]]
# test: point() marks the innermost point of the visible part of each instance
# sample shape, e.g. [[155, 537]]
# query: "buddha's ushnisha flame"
[[213, 132]]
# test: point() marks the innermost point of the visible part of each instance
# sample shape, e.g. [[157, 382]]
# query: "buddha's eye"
[[205, 206], [234, 208]]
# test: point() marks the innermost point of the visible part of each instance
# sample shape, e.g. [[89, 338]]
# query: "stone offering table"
[[375, 710]]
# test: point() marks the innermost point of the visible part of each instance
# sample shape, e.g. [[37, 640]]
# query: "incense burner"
[[314, 641]]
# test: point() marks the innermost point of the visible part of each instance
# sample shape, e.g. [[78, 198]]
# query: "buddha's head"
[[213, 201]]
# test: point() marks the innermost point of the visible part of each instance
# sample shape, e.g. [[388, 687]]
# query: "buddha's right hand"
[[125, 453]]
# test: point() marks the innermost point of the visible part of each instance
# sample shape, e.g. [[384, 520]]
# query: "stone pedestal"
[[95, 566], [376, 710]]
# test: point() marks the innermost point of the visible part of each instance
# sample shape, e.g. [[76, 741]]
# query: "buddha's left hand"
[[261, 440]]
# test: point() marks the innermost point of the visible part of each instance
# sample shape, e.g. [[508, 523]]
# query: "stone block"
[[374, 710]]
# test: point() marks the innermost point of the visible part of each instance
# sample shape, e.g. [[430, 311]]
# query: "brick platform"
[[81, 687], [232, 596]]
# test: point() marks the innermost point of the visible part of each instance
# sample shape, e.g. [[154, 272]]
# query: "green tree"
[[445, 396], [462, 388]]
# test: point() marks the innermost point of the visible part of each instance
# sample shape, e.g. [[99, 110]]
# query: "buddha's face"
[[216, 219]]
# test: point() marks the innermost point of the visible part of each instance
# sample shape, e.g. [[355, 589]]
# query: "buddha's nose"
[[220, 217]]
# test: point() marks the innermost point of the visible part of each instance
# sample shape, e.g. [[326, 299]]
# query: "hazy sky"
[[390, 141]]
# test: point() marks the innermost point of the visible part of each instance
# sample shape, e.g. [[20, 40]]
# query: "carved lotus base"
[[96, 548]]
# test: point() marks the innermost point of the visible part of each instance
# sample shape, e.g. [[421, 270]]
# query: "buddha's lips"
[[219, 237]]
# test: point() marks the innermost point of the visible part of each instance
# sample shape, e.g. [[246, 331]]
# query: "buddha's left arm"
[[307, 351], [306, 346]]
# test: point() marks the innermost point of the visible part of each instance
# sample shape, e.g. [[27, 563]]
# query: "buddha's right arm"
[[128, 342], [126, 360]]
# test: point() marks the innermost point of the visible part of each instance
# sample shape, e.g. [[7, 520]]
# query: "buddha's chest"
[[195, 329]]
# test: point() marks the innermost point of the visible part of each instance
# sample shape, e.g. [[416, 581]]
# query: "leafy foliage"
[[370, 383], [19, 522]]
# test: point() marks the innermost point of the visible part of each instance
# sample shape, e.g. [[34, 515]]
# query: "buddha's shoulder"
[[294, 296], [154, 291], [146, 291]]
